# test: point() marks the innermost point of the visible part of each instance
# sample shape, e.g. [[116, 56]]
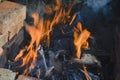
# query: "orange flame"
[[35, 33], [80, 40], [39, 31], [42, 28], [61, 15]]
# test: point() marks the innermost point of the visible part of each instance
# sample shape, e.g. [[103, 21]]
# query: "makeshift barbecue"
[[56, 42]]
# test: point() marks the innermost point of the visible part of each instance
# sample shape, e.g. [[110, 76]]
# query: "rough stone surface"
[[1, 51], [11, 47], [15, 30], [10, 15], [5, 37], [22, 77], [6, 74]]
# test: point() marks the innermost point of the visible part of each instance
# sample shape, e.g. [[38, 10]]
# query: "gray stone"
[[6, 74]]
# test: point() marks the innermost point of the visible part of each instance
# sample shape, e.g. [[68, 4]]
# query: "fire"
[[80, 39], [41, 30], [61, 15], [35, 33]]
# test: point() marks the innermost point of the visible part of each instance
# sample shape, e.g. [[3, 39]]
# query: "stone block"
[[15, 30], [11, 14], [5, 37], [6, 74]]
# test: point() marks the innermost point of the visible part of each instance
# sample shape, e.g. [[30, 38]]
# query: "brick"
[[11, 14]]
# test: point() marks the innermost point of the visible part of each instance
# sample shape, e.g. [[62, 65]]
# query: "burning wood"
[[37, 33], [37, 60]]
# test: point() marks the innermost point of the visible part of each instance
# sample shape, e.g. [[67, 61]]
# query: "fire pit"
[[57, 40]]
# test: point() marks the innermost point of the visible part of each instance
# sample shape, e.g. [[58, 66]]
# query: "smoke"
[[96, 5]]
